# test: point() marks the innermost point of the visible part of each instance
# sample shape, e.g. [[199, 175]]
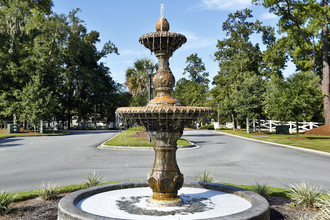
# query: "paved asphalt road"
[[25, 162]]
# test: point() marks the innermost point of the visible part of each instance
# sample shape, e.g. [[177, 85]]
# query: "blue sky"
[[124, 21]]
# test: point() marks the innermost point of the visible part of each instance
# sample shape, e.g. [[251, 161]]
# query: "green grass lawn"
[[321, 143], [20, 196], [126, 138], [24, 134]]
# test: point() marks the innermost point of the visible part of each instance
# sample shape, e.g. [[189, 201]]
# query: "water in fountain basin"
[[132, 204]]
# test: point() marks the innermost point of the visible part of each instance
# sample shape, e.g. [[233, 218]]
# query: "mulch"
[[281, 208], [298, 138], [322, 131], [140, 134], [21, 130], [36, 209], [259, 133], [2, 130]]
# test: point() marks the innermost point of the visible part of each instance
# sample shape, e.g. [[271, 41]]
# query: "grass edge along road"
[[134, 137], [314, 142], [46, 133]]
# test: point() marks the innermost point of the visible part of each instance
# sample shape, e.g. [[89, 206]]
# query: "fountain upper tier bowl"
[[162, 40]]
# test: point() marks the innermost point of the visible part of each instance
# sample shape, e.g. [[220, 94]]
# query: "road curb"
[[277, 144]]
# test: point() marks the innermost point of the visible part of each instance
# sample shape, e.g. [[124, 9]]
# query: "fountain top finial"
[[162, 24]]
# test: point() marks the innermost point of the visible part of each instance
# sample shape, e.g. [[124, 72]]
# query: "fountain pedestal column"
[[165, 179]]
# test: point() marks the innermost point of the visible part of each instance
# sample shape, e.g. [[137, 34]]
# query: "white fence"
[[270, 125]]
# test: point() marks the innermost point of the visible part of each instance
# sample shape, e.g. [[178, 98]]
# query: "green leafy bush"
[[261, 189], [206, 127], [224, 128], [48, 192], [305, 194], [5, 201], [205, 177], [136, 128], [94, 179]]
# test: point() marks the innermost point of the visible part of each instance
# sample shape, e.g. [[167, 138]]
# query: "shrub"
[[49, 192], [5, 201], [136, 128], [94, 179], [224, 128], [305, 194], [261, 189], [206, 127], [205, 177]]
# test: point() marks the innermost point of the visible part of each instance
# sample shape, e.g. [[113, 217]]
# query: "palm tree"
[[137, 79]]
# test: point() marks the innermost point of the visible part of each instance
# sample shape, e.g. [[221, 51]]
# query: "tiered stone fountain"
[[164, 119]]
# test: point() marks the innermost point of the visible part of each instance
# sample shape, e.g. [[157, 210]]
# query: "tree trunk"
[[41, 126], [297, 125], [95, 116], [234, 124], [325, 71], [69, 119], [14, 118]]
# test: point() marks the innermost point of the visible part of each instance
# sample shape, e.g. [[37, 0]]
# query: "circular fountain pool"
[[129, 201]]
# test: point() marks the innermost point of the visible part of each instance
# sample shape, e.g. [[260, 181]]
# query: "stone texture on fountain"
[[162, 25], [154, 111], [164, 117]]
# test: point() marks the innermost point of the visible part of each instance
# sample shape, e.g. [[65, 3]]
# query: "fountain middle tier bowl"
[[163, 112]]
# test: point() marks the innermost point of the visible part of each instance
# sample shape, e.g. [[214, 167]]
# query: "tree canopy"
[[50, 67], [137, 81], [306, 25], [193, 91], [239, 61]]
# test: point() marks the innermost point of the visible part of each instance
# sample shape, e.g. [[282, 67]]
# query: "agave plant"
[[5, 201], [94, 179], [324, 205], [205, 177], [305, 194], [48, 192], [261, 189]]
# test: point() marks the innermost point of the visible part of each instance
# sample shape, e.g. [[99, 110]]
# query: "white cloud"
[[266, 16], [195, 41], [225, 4]]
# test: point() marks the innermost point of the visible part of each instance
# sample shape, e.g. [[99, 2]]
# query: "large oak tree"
[[306, 24]]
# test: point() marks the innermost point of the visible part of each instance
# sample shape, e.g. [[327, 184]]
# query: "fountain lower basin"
[[206, 200]]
